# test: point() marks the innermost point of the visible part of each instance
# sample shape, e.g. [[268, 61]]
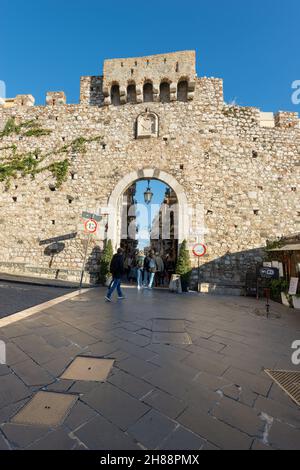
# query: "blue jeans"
[[116, 284], [151, 279], [140, 277]]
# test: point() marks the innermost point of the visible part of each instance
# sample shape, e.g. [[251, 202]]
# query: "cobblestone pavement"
[[15, 296], [210, 394]]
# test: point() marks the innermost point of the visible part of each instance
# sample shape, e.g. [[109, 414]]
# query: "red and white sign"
[[91, 226], [199, 250]]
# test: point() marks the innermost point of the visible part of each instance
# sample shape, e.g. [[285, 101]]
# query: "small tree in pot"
[[184, 267], [105, 262]]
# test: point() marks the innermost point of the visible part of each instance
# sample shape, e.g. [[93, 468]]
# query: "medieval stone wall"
[[245, 175]]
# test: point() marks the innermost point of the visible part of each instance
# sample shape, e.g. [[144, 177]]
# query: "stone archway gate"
[[114, 222]]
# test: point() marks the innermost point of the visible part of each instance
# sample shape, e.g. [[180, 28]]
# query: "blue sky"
[[145, 220], [253, 45]]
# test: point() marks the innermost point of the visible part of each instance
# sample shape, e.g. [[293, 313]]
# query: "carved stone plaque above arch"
[[147, 125]]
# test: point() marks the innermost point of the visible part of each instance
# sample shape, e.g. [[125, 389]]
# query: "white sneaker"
[[107, 299]]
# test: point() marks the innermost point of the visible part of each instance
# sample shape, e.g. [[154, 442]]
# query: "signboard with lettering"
[[90, 215], [294, 286], [269, 273]]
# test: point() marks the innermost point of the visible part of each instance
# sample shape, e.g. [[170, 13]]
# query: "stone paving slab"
[[240, 416], [132, 385], [182, 439], [257, 383], [21, 436], [32, 374], [213, 430], [212, 394], [165, 403], [58, 440], [3, 443], [100, 434], [152, 429], [277, 410], [12, 390], [284, 437], [137, 367], [115, 405], [79, 415]]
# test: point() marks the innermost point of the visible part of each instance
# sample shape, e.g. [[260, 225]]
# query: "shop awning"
[[287, 248]]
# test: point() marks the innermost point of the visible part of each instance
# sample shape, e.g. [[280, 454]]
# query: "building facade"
[[235, 170]]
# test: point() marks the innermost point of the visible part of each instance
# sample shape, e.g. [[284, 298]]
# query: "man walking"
[[160, 270], [117, 271]]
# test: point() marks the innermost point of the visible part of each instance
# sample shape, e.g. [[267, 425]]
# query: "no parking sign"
[[199, 250], [91, 226]]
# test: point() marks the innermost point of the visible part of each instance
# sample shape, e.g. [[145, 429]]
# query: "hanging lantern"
[[148, 194]]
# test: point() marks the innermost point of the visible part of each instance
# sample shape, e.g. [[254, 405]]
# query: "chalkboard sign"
[[269, 273]]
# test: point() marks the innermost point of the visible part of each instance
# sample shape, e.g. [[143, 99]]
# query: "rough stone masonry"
[[241, 164]]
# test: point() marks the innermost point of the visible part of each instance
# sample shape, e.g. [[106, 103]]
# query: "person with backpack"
[[140, 269], [117, 271]]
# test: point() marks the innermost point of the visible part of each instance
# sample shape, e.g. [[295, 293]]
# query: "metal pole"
[[268, 303], [84, 261], [199, 290]]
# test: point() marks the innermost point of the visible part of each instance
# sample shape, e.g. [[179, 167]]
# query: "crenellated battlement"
[[163, 77], [19, 100], [56, 98]]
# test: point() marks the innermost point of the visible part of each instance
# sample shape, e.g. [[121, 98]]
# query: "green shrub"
[[105, 262], [184, 267], [278, 286]]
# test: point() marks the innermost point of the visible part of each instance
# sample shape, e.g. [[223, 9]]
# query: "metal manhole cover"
[[46, 409], [89, 369], [161, 325], [171, 338], [288, 381]]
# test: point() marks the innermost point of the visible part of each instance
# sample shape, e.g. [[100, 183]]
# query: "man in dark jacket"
[[117, 271]]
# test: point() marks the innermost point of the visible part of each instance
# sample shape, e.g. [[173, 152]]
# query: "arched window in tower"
[[182, 91], [115, 95], [165, 92], [148, 92], [131, 94]]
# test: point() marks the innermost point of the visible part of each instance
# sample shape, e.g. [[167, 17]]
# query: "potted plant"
[[183, 267], [279, 291], [105, 263]]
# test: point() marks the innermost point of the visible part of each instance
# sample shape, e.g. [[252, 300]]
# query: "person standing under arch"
[[117, 271]]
